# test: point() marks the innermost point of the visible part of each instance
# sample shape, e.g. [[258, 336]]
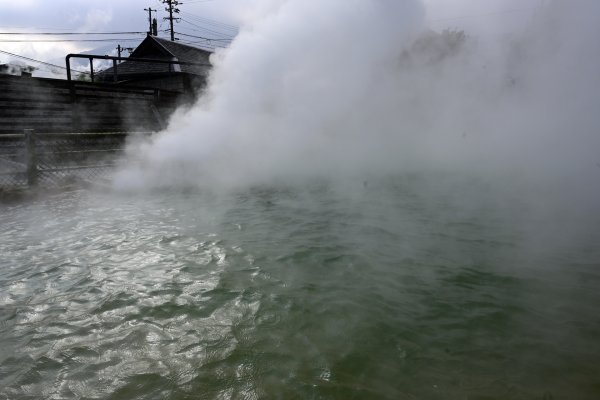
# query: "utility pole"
[[172, 9], [120, 50], [149, 9]]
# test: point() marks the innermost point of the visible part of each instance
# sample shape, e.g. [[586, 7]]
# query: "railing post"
[[30, 157], [68, 62], [70, 79], [92, 68], [75, 119]]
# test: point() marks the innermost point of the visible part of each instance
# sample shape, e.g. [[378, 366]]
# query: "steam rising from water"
[[408, 287], [338, 88]]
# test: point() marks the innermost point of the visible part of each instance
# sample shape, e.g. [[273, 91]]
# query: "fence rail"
[[116, 60], [31, 158]]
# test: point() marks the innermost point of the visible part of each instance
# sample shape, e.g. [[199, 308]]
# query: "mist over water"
[[356, 208], [399, 291], [367, 91]]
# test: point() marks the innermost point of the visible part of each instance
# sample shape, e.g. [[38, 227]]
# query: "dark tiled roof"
[[186, 53], [154, 47]]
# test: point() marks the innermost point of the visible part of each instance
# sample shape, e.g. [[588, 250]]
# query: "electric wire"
[[71, 33], [37, 27], [202, 29], [40, 62], [201, 45], [197, 1], [67, 40], [205, 38], [209, 21]]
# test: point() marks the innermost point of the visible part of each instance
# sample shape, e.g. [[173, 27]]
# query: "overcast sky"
[[205, 18]]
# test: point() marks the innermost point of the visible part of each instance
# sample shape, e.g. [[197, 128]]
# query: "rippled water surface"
[[395, 289]]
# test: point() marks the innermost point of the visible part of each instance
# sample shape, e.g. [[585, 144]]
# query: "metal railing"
[[157, 94], [31, 159], [92, 57]]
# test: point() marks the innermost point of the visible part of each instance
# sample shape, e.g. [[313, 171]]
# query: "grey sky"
[[484, 17], [104, 16]]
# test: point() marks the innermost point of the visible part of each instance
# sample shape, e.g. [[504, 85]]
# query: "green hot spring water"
[[398, 288]]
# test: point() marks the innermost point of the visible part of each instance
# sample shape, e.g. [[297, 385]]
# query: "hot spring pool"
[[395, 289]]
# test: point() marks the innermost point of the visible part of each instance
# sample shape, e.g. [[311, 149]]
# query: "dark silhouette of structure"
[[188, 79]]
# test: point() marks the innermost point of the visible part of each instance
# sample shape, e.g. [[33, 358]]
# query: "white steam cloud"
[[313, 88]]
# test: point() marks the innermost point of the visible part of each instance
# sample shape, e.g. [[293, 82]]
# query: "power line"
[[197, 1], [66, 40], [172, 9], [201, 45], [204, 42], [202, 29], [71, 33], [37, 27], [223, 32], [38, 61], [205, 38], [212, 22]]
